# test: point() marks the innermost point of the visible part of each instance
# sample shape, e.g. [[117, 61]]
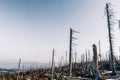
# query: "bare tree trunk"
[[52, 64], [18, 69], [95, 63], [70, 53], [109, 20]]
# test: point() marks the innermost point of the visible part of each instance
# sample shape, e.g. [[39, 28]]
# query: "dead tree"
[[99, 51], [82, 58], [70, 50], [52, 64], [18, 69], [86, 60], [89, 56], [98, 76], [110, 24]]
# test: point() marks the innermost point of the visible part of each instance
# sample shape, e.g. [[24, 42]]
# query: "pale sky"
[[30, 29]]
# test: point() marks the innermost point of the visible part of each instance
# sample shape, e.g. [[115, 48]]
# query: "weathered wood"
[[109, 16], [52, 65], [97, 74], [70, 53], [18, 69]]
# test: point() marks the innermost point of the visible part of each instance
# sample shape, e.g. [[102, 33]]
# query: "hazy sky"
[[30, 29]]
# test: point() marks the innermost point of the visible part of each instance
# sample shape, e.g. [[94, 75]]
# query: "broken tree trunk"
[[98, 76]]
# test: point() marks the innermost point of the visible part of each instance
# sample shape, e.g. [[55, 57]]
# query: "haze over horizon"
[[30, 29]]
